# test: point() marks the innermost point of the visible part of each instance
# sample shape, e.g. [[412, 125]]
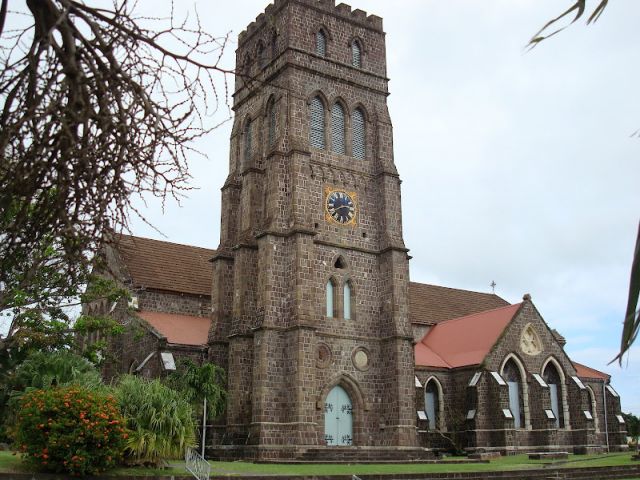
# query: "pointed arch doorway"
[[338, 418]]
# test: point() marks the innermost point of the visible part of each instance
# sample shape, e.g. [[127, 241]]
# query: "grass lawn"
[[504, 463], [11, 463]]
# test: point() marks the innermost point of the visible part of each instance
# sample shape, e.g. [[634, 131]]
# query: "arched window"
[[511, 374], [337, 129], [248, 133], [357, 126], [271, 114], [356, 54], [432, 403], [592, 408], [316, 123], [330, 297], [262, 55], [553, 379], [321, 43], [274, 46], [347, 300]]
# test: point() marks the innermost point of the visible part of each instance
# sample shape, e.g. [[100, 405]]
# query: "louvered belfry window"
[[357, 124], [337, 129], [247, 141], [272, 123], [321, 43], [356, 54], [316, 131]]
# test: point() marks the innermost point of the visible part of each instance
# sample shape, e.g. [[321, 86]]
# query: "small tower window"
[[337, 129], [274, 46], [356, 54], [262, 55], [272, 123], [357, 125], [330, 306], [247, 140], [321, 43], [316, 130], [347, 300]]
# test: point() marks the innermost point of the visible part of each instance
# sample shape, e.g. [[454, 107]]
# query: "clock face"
[[340, 206]]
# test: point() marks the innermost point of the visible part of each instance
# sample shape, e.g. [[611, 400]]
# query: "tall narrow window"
[[247, 140], [347, 300], [511, 374], [431, 404], [262, 55], [330, 289], [274, 46], [316, 128], [321, 43], [272, 123], [337, 129], [356, 54], [357, 125], [552, 377]]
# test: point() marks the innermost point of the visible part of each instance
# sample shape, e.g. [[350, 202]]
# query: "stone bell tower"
[[310, 285]]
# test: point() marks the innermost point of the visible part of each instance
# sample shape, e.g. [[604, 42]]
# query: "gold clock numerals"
[[340, 206]]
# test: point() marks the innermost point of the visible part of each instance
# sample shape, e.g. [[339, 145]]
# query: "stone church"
[[330, 350]]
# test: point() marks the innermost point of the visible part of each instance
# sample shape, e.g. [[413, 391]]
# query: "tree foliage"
[[159, 418], [61, 368], [633, 425], [98, 107], [578, 9], [96, 110], [199, 382], [631, 322]]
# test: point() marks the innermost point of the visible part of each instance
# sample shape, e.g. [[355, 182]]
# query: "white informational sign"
[[422, 415], [507, 413], [168, 360], [550, 414]]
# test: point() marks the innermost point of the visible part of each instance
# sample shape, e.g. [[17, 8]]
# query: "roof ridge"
[[590, 368], [135, 237], [457, 289], [483, 312]]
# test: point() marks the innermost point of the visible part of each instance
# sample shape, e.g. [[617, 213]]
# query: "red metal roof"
[[587, 372], [465, 340], [180, 329]]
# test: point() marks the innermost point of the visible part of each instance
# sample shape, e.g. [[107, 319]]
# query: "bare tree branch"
[[97, 111]]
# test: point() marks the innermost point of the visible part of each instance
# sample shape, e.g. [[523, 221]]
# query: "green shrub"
[[70, 429], [159, 419], [44, 369]]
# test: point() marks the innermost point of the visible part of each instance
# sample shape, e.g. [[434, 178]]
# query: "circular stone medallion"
[[324, 356], [360, 358]]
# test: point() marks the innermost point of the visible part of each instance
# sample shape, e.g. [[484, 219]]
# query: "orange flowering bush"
[[70, 429]]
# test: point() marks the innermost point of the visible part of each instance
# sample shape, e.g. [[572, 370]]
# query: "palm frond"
[[631, 323]]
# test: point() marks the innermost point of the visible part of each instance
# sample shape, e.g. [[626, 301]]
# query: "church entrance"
[[338, 418]]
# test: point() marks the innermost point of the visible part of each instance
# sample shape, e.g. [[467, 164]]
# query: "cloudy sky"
[[518, 168]]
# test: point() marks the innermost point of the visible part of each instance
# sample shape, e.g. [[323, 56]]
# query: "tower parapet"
[[341, 10]]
